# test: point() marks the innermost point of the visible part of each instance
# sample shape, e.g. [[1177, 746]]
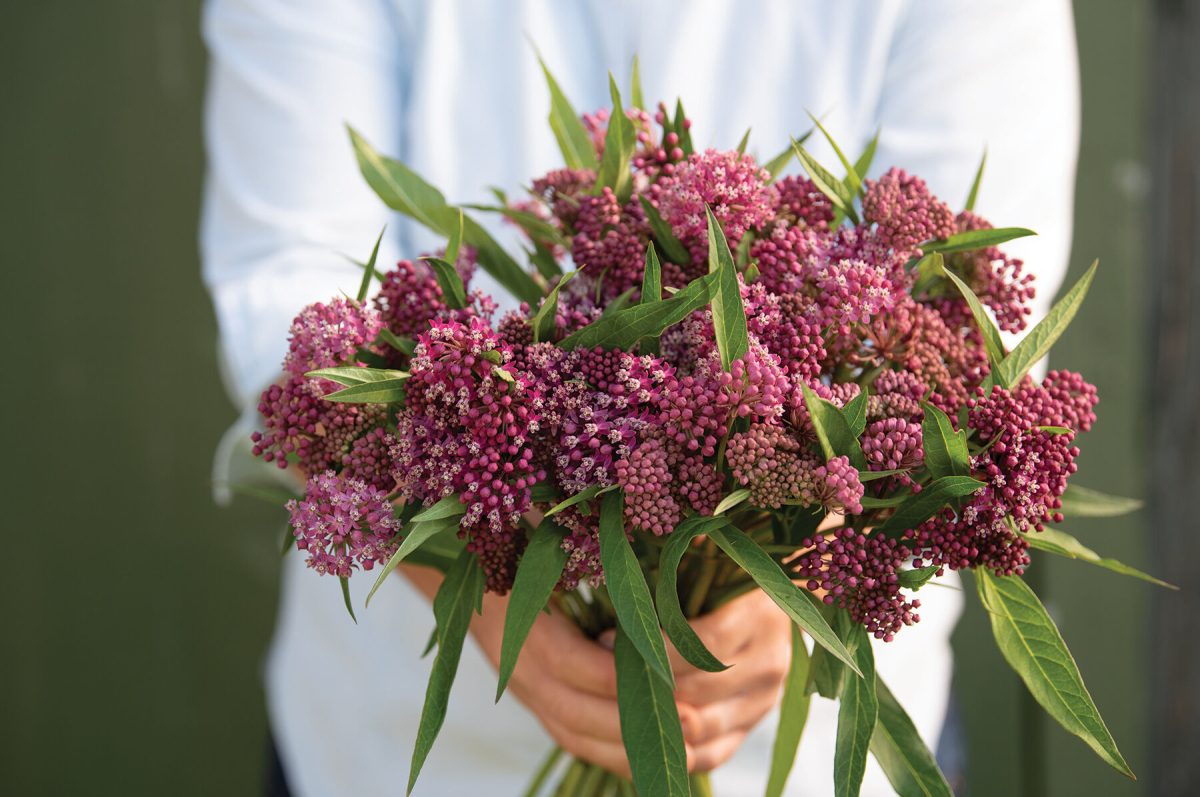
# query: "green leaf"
[[1063, 544], [456, 599], [663, 234], [945, 449], [793, 714], [1055, 429], [635, 85], [826, 183], [543, 260], [1081, 502], [573, 138], [855, 413], [918, 508], [346, 597], [731, 500], [871, 502], [385, 391], [976, 239], [416, 535], [538, 229], [853, 182], [404, 190], [540, 568], [682, 130], [863, 165], [1037, 343], [650, 726], [871, 475], [729, 315], [448, 507], [1034, 648], [454, 293], [651, 278], [741, 147], [858, 709], [454, 243], [619, 142], [767, 573], [624, 328], [776, 165], [992, 342], [355, 375], [406, 345], [903, 757], [971, 197], [544, 321], [666, 594], [917, 577], [369, 268], [586, 494], [628, 590], [826, 675], [836, 437]]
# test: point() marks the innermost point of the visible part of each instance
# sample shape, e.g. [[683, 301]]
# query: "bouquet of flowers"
[[719, 380]]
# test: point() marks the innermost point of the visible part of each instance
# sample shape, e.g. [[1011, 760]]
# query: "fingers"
[[705, 724], [708, 757], [608, 754], [575, 711], [568, 655]]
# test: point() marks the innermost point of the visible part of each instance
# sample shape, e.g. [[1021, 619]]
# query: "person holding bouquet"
[[455, 89]]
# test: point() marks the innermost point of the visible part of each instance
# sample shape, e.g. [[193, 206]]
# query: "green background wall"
[[136, 613]]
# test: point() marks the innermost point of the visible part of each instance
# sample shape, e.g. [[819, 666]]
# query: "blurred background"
[[137, 612]]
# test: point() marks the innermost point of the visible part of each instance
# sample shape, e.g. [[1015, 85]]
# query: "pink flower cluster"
[[488, 414]]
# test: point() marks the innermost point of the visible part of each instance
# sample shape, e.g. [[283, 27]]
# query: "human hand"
[[718, 710]]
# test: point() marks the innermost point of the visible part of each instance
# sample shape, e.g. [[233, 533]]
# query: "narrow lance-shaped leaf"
[[666, 594], [918, 508], [454, 293], [855, 412], [663, 234], [917, 577], [858, 709], [651, 278], [945, 448], [862, 166], [454, 243], [539, 570], [731, 500], [625, 327], [416, 535], [974, 194], [1033, 647], [537, 228], [369, 268], [628, 590], [573, 138], [827, 184], [976, 239], [836, 437], [793, 714], [902, 755], [741, 147], [682, 129], [545, 319], [583, 496], [619, 142], [386, 391], [650, 726], [346, 597], [767, 573], [1037, 343], [992, 343], [853, 182], [1062, 544], [635, 85], [1081, 502], [729, 315], [354, 375], [776, 165], [404, 190], [455, 601], [448, 507]]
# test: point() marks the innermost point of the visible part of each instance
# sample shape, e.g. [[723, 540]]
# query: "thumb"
[[607, 639]]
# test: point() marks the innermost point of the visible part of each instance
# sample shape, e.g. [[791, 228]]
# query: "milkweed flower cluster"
[[841, 315]]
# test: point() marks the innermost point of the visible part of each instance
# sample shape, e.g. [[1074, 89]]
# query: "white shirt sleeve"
[[1000, 74], [284, 202]]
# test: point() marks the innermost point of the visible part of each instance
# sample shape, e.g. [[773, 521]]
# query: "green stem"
[[544, 771], [568, 785], [704, 581], [701, 786], [592, 783]]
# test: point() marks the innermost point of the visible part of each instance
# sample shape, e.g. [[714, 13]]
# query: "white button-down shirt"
[[453, 89]]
